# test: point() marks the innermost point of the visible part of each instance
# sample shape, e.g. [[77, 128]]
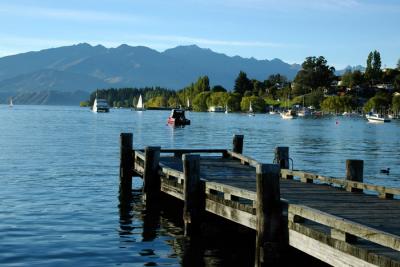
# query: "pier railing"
[[307, 177]]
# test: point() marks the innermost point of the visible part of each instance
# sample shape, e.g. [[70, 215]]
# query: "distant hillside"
[[84, 67]]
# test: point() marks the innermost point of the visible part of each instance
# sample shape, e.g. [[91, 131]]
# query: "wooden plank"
[[242, 193], [341, 182], [356, 229], [172, 191], [250, 161], [323, 251], [235, 215]]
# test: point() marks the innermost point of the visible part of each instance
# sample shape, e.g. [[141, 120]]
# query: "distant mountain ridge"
[[85, 68]]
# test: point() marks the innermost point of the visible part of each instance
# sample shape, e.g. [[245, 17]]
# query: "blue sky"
[[344, 31]]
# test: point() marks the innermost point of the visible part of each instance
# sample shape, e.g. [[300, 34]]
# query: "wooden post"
[[125, 166], [151, 178], [237, 146], [269, 239], [193, 193], [354, 172], [282, 157]]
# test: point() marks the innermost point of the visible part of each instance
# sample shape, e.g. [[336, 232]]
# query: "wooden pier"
[[341, 221]]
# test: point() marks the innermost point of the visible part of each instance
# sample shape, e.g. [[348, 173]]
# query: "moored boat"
[[177, 118], [288, 115], [100, 105], [304, 112], [251, 112], [376, 118], [140, 105]]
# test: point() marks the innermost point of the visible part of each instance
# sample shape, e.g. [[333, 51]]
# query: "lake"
[[59, 178]]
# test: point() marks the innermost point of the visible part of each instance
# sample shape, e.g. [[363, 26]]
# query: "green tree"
[[314, 73], [337, 104], [200, 101], [347, 78], [173, 102], [379, 103], [373, 71], [218, 99], [202, 85], [218, 88], [257, 103], [396, 104], [233, 101], [396, 82], [84, 103], [242, 84], [357, 78]]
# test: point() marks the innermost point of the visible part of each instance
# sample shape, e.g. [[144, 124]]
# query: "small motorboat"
[[177, 118], [377, 118]]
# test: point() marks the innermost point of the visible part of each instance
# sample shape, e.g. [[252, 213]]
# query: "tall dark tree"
[[357, 78], [242, 84], [202, 84], [314, 73], [373, 71], [218, 88]]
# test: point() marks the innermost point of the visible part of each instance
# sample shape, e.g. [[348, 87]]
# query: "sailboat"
[[100, 105], [251, 113], [187, 104], [140, 106], [304, 112], [11, 103], [226, 109], [288, 114]]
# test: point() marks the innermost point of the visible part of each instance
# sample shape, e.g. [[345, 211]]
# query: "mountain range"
[[67, 75]]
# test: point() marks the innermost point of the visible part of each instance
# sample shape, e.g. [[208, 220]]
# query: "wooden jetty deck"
[[328, 218]]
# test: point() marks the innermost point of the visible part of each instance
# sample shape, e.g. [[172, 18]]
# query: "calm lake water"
[[59, 178]]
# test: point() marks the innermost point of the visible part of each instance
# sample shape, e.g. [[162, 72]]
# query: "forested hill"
[[85, 68]]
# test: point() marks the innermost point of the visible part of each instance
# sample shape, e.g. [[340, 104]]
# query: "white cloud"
[[67, 14], [177, 39]]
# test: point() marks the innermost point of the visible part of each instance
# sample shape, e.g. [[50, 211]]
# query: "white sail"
[[11, 103], [250, 108], [188, 103], [140, 103], [226, 108]]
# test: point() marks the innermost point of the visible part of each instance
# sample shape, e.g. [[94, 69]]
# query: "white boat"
[[251, 112], [288, 115], [376, 118], [226, 109], [100, 105], [272, 112], [304, 112], [187, 103], [11, 103], [140, 105], [216, 109]]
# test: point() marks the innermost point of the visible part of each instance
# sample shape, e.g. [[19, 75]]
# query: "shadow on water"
[[220, 243]]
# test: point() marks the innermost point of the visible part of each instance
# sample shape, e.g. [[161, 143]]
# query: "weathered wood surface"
[[230, 188]]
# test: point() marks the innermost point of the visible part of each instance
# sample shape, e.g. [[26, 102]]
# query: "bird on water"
[[387, 171]]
